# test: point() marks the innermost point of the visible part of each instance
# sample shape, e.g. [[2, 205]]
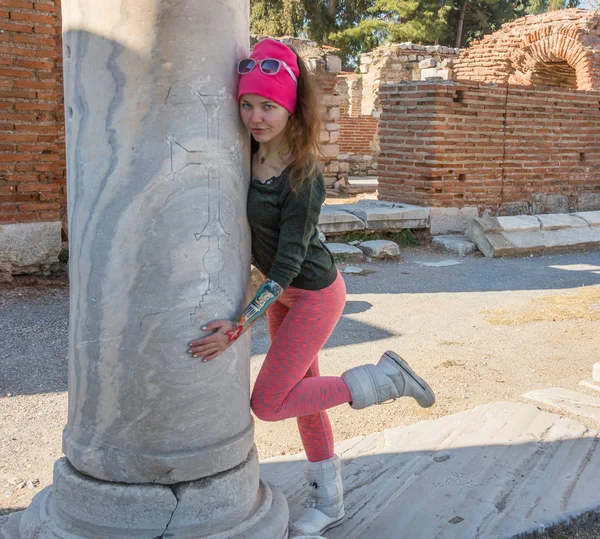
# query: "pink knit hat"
[[280, 88]]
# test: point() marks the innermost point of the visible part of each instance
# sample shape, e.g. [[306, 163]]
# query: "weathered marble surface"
[[498, 470], [568, 401], [159, 243], [158, 443], [526, 234]]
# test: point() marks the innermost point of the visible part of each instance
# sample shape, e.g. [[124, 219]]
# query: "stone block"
[[29, 246], [448, 220], [519, 223], [596, 372], [428, 62], [460, 245], [330, 150], [333, 136], [522, 235], [429, 73], [567, 401], [526, 234], [332, 126], [380, 249], [542, 203], [333, 221], [334, 64], [342, 252], [588, 202], [592, 217], [333, 114], [379, 215], [513, 208], [561, 220]]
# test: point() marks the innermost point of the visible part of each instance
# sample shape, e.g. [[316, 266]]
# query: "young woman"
[[303, 294]]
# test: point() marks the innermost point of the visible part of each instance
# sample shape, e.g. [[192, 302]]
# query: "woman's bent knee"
[[264, 410]]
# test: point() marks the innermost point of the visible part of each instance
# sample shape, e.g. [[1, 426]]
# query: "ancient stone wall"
[[361, 106], [32, 152], [511, 149], [394, 63], [560, 48]]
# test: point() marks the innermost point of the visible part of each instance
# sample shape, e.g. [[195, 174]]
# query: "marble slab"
[[567, 401], [499, 470]]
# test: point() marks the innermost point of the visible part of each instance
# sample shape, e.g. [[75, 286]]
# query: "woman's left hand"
[[210, 347]]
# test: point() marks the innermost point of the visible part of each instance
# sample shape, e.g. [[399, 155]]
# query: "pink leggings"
[[289, 385]]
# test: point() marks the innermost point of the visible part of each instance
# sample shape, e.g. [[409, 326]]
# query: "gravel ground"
[[478, 331]]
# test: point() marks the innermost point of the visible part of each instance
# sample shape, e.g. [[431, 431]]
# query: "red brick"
[[18, 73], [13, 27], [45, 30], [18, 217], [18, 158], [35, 40], [19, 4], [38, 85], [32, 64], [39, 207], [45, 7], [37, 187], [22, 178], [33, 17]]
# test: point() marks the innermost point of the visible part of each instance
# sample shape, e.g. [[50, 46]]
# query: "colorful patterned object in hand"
[[267, 294]]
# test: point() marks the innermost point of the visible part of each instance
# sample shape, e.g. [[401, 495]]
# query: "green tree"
[[277, 18], [542, 6]]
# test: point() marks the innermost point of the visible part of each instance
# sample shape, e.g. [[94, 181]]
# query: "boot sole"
[[429, 394], [333, 524]]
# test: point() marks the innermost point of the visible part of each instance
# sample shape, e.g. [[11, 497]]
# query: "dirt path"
[[479, 331]]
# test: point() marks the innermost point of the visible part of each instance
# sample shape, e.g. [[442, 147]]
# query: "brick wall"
[[485, 145], [559, 48], [32, 151], [358, 145], [357, 134]]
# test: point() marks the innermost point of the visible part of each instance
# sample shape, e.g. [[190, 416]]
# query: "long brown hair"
[[303, 129]]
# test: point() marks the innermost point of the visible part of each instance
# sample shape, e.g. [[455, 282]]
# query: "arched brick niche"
[[560, 48]]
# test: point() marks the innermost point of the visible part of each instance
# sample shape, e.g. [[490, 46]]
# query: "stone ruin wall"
[[32, 151], [507, 148], [361, 106], [515, 130], [559, 49]]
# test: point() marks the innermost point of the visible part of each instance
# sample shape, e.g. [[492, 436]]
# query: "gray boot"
[[390, 379], [325, 497]]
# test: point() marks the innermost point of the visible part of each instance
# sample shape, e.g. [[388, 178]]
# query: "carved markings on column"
[[214, 233]]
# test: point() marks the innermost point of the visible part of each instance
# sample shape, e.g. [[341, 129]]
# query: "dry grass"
[[582, 305], [450, 343]]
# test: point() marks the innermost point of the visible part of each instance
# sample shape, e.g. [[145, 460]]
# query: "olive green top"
[[285, 241]]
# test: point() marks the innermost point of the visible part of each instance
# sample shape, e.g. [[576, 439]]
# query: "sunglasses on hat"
[[269, 66]]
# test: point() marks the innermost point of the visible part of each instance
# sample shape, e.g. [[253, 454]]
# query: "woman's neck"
[[271, 146]]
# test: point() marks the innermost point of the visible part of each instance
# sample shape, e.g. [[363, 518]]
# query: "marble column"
[[157, 443]]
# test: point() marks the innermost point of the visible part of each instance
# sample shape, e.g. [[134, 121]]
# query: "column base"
[[230, 505]]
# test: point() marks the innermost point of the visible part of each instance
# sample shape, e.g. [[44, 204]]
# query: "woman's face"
[[265, 119]]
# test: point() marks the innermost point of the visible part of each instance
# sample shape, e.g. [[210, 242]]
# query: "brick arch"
[[560, 48], [551, 57]]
